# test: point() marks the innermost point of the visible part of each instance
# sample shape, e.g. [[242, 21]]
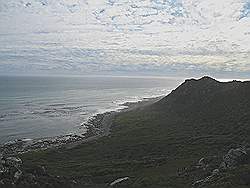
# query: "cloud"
[[97, 36]]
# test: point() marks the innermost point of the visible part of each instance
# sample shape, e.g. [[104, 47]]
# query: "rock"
[[215, 171], [17, 175], [207, 163], [25, 145], [198, 183], [13, 161], [2, 168], [6, 182], [119, 181], [12, 174], [213, 166], [202, 163], [234, 158], [208, 179]]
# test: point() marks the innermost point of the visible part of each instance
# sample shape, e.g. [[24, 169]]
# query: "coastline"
[[173, 143], [97, 126], [100, 125]]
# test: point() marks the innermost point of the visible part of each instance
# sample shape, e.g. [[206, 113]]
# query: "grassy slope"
[[150, 145]]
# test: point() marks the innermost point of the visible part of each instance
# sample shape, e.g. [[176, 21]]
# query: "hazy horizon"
[[220, 78]]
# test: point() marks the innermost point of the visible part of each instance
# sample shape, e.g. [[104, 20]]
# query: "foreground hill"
[[178, 141]]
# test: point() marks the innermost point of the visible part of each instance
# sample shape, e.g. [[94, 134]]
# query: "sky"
[[125, 37]]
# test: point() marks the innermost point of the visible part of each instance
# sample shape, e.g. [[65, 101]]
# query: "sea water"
[[36, 107]]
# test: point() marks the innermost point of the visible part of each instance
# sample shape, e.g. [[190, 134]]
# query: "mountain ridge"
[[203, 87]]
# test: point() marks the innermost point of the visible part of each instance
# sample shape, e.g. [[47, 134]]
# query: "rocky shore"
[[14, 174], [97, 126], [25, 145], [197, 136]]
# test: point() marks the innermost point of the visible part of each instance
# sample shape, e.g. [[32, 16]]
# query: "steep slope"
[[210, 104], [156, 145]]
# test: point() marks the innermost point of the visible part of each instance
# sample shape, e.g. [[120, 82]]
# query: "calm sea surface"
[[35, 107]]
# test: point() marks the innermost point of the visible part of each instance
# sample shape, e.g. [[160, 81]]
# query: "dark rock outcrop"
[[235, 157], [12, 174], [209, 170]]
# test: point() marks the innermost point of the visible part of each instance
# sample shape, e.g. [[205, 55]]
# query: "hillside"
[[178, 141], [212, 107]]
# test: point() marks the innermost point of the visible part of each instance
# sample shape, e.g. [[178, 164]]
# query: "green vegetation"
[[151, 144]]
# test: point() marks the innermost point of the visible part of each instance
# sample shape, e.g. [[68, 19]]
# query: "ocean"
[[37, 107]]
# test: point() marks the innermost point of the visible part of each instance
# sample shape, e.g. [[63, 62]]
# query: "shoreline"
[[100, 125], [97, 126]]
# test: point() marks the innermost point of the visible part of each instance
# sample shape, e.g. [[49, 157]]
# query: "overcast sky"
[[125, 37]]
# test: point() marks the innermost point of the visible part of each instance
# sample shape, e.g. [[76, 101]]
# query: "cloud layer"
[[165, 37]]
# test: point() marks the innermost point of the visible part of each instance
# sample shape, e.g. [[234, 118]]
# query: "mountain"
[[211, 107], [209, 99], [197, 136]]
